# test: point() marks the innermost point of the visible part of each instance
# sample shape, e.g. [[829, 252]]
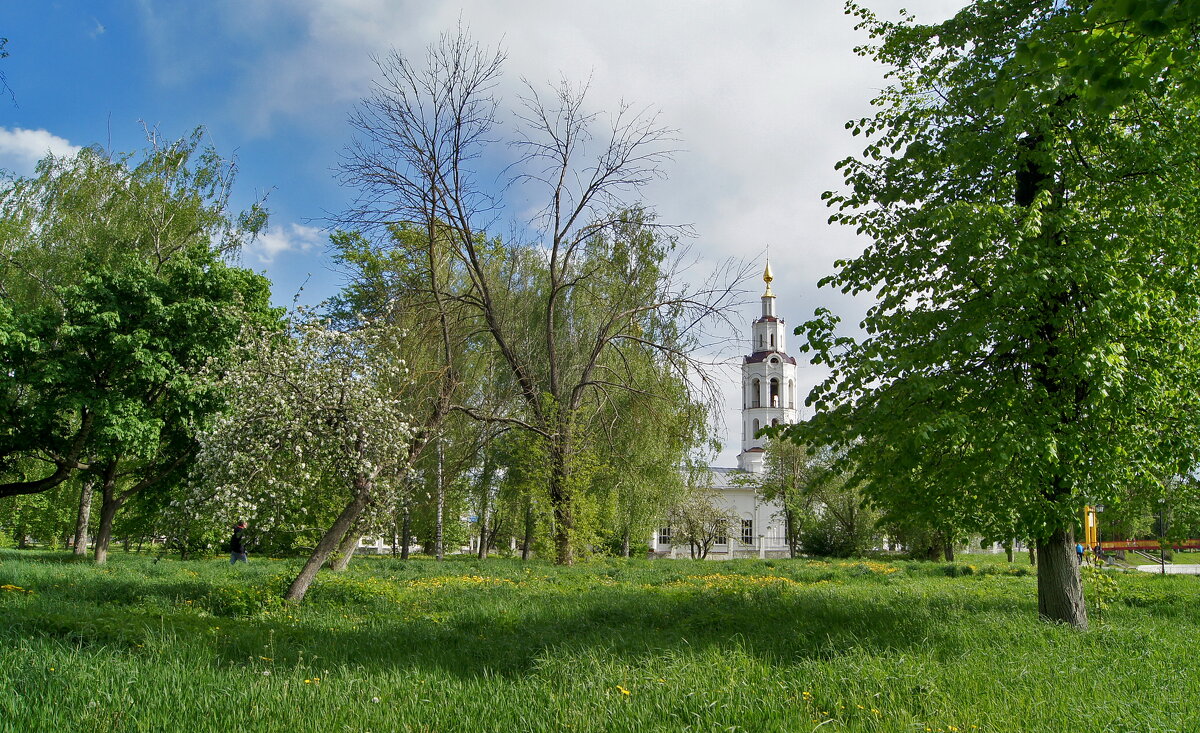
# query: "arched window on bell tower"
[[755, 428], [791, 394], [756, 393], [774, 391]]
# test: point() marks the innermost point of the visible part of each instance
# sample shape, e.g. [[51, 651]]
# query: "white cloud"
[[20, 149], [280, 240], [759, 91]]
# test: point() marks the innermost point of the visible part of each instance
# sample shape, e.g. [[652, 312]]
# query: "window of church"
[[756, 400], [664, 536], [747, 531], [756, 427], [772, 341]]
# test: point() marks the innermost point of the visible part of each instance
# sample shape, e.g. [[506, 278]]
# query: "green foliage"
[[118, 306], [1032, 344], [1102, 590]]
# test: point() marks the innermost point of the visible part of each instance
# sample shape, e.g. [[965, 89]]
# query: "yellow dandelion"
[[622, 690]]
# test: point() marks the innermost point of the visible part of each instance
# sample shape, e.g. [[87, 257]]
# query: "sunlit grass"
[[500, 645]]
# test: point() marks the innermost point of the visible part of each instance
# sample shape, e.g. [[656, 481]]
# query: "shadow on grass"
[[509, 630]]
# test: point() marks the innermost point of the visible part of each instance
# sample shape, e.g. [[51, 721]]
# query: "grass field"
[[606, 646]]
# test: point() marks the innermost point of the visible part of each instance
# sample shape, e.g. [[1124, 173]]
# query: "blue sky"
[[759, 92]]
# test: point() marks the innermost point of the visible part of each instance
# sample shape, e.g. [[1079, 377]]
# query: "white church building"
[[768, 398]]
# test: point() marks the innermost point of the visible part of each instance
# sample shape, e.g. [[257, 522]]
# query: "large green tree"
[[1032, 253], [118, 304]]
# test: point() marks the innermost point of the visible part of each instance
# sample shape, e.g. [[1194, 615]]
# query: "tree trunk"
[[625, 544], [1032, 556], [406, 533], [438, 537], [329, 543], [1060, 592], [346, 549], [484, 492], [948, 550], [395, 532], [527, 540], [1008, 549], [789, 531], [108, 511], [560, 500]]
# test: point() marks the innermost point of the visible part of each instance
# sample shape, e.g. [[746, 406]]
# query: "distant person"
[[1079, 552], [1099, 552], [237, 544]]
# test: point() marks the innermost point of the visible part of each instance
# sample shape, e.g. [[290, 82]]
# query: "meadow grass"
[[612, 645]]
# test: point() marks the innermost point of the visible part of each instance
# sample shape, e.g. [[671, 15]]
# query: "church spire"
[[767, 278]]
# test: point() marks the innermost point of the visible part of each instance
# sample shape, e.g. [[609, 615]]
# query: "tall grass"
[[501, 645]]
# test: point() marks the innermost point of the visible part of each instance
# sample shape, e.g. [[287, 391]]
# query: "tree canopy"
[[1032, 253]]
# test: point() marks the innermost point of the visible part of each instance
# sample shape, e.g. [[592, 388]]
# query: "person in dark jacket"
[[237, 544]]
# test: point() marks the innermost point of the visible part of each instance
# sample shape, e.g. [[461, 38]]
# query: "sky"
[[759, 93]]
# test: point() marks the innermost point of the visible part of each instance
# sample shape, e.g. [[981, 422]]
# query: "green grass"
[[606, 646]]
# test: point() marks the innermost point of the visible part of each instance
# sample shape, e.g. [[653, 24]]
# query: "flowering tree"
[[315, 420]]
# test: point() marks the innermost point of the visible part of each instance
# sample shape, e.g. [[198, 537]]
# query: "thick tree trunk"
[[1032, 556], [625, 544], [329, 543], [84, 514], [108, 511], [560, 500], [948, 551], [346, 549], [1008, 550], [1060, 592]]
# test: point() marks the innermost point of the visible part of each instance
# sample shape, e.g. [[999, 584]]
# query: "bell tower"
[[768, 381]]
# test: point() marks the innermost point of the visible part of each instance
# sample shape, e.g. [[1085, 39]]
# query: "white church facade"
[[768, 398]]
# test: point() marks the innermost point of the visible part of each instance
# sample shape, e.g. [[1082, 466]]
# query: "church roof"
[[759, 356]]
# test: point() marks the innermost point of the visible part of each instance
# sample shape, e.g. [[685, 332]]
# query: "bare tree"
[[592, 274], [699, 520]]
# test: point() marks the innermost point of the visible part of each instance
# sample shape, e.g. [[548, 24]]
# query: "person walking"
[[237, 544], [1079, 552]]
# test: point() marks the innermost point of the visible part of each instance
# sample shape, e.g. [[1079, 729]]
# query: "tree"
[[699, 520], [314, 421], [594, 278], [788, 472], [116, 294], [823, 512], [1032, 346]]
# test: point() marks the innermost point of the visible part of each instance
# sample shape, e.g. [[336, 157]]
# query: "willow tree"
[[590, 274], [1032, 253]]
